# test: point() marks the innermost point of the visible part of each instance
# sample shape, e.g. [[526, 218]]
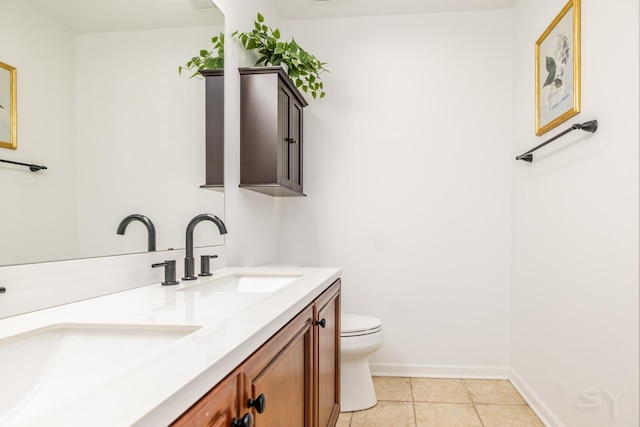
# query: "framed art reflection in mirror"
[[8, 111]]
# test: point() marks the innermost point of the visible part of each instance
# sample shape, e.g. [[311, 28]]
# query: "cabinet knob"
[[260, 403], [246, 421], [291, 140], [321, 322]]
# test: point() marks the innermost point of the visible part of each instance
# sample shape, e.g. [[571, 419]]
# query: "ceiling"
[[87, 16], [313, 9]]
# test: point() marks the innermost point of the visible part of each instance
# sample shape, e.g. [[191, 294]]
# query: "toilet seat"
[[353, 325]]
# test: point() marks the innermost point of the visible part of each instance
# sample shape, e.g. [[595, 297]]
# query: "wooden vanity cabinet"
[[296, 372], [214, 129], [327, 320], [271, 132], [282, 370], [218, 408]]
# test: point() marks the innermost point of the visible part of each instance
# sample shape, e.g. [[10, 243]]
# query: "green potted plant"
[[207, 59], [302, 67]]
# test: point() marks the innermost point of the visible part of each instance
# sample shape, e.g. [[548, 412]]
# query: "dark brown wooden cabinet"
[[214, 131], [293, 380], [271, 132]]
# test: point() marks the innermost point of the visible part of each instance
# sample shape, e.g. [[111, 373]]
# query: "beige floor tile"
[[385, 414], [508, 416], [392, 388], [439, 390], [446, 415], [443, 402], [493, 391], [344, 420]]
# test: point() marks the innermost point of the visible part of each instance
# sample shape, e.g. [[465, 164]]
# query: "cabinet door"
[[328, 356], [218, 408], [295, 144], [282, 370], [286, 140], [214, 115], [290, 136]]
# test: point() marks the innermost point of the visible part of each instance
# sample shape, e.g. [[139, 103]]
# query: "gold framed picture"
[[558, 69], [8, 110]]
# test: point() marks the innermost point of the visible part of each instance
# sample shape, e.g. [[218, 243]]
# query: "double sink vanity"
[[246, 346], [193, 353]]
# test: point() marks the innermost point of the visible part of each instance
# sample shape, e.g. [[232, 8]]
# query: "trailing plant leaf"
[[207, 59], [303, 68]]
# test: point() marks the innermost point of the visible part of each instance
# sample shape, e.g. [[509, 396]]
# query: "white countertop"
[[230, 326]]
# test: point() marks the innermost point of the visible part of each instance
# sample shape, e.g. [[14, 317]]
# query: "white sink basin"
[[245, 283], [48, 367]]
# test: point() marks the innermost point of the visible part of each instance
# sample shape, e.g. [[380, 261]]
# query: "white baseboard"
[[439, 371], [538, 406]]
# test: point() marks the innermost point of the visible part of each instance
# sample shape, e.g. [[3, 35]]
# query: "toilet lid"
[[357, 324]]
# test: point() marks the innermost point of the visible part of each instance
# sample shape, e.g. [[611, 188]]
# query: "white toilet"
[[360, 336]]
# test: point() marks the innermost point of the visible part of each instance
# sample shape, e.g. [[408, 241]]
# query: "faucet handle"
[[169, 272], [205, 265]]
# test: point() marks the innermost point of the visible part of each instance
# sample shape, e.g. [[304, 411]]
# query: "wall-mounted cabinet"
[[271, 132], [214, 119]]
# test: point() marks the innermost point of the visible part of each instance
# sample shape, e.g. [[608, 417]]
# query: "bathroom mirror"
[[101, 104]]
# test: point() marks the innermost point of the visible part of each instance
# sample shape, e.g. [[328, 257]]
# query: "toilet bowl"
[[360, 336]]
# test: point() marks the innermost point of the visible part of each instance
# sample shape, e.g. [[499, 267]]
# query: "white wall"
[[44, 54], [253, 219], [407, 173], [141, 139], [574, 336]]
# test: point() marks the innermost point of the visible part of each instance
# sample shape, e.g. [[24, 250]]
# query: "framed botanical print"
[[558, 69], [8, 110]]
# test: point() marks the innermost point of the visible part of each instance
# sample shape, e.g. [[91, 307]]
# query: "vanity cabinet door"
[[327, 320], [218, 408], [282, 371]]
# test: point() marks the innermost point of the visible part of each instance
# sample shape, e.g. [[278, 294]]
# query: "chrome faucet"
[[189, 268], [151, 229]]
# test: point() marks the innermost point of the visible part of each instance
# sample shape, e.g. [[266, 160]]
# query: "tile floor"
[[429, 402]]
